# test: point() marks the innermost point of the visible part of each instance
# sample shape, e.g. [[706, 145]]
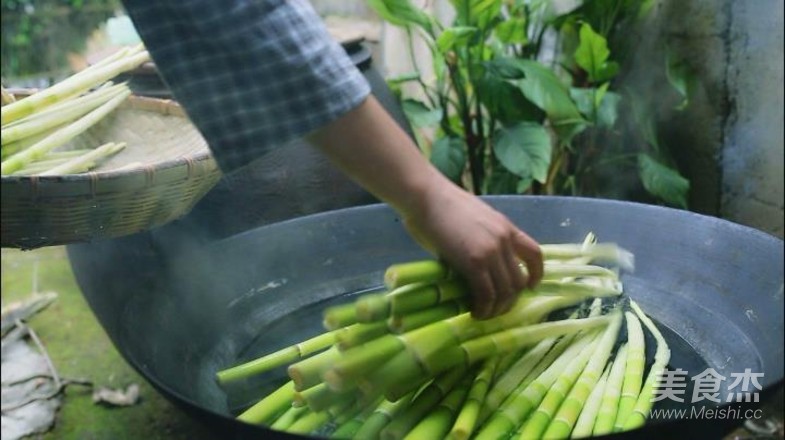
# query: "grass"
[[79, 348]]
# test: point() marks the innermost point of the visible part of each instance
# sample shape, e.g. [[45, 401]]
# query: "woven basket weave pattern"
[[175, 169]]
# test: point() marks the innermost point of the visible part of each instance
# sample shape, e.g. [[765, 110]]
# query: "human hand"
[[473, 238], [480, 243]]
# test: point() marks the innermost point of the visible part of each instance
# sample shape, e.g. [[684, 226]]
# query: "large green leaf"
[[592, 55], [479, 13], [680, 77], [642, 115], [662, 181], [419, 114], [597, 104], [543, 88], [449, 156], [455, 36], [505, 101], [525, 150], [512, 31], [402, 13]]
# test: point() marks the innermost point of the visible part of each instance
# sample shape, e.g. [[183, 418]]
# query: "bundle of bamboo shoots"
[[37, 129], [411, 363]]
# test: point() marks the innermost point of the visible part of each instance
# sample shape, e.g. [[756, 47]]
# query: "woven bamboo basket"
[[164, 170]]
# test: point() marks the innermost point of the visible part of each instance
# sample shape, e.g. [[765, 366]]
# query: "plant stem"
[[61, 136], [271, 406], [633, 374], [609, 405], [86, 161], [661, 358], [277, 358]]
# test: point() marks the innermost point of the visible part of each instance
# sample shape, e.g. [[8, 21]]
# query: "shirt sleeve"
[[251, 74]]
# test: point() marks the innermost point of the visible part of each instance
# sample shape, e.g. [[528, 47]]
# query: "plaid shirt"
[[251, 74]]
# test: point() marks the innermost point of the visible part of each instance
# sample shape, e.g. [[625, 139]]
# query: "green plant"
[[525, 100], [38, 34]]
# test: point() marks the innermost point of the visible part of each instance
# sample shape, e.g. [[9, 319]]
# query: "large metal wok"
[[179, 311]]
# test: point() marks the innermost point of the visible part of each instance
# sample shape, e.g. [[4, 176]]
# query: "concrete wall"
[[731, 142], [752, 154]]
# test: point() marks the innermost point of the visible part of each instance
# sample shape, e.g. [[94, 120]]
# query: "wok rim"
[[766, 393]]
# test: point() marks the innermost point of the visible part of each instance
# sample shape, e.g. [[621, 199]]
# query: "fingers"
[[501, 280], [529, 251], [483, 295], [520, 280]]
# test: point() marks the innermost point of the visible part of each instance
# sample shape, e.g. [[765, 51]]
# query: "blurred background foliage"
[[38, 35]]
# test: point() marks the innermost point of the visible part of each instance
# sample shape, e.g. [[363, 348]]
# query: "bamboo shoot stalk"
[[343, 315], [308, 372], [517, 407], [565, 415], [609, 405], [398, 275], [85, 161], [519, 337], [65, 112], [424, 342], [70, 86], [515, 375], [271, 406], [405, 300], [437, 423], [505, 390], [360, 333], [466, 420], [349, 429], [36, 169], [584, 289], [40, 166], [426, 400], [43, 165], [413, 352], [7, 98], [633, 374], [276, 359], [12, 148], [609, 253], [558, 270], [309, 422], [343, 410], [507, 360], [349, 422], [394, 391], [539, 419], [662, 356], [61, 136], [478, 349], [503, 394], [287, 419], [319, 397], [585, 423], [409, 322], [373, 307], [359, 361], [68, 154], [381, 416]]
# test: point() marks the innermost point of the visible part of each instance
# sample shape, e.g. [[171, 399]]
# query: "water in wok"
[[180, 310]]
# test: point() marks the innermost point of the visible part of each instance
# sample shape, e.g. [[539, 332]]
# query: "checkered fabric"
[[251, 74]]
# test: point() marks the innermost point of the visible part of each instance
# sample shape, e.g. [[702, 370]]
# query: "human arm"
[[472, 237], [253, 75]]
